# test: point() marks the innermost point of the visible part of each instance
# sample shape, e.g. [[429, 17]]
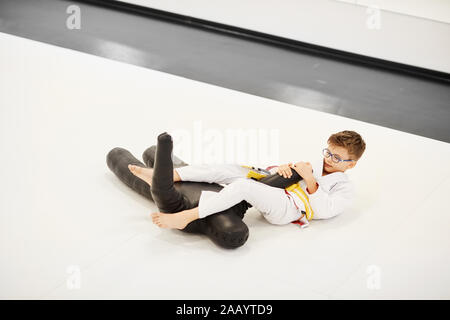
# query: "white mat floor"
[[62, 210]]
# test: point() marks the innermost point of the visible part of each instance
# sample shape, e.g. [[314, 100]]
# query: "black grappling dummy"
[[225, 228]]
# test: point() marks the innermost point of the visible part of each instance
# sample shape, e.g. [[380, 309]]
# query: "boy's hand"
[[304, 169], [285, 170]]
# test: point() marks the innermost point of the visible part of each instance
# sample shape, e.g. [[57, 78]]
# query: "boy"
[[324, 192]]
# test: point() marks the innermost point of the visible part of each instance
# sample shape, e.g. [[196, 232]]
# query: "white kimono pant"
[[272, 202]]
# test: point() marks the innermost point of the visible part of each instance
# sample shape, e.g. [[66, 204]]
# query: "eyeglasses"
[[335, 158]]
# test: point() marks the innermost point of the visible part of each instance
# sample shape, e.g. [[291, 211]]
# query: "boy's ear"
[[352, 164]]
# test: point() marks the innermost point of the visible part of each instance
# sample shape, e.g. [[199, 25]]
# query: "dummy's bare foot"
[[142, 173], [177, 220]]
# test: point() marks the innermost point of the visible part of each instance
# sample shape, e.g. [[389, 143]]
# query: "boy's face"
[[330, 166]]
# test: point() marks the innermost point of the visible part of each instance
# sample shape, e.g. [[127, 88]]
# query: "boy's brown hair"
[[351, 141]]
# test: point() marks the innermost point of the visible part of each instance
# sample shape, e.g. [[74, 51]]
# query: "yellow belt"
[[258, 173], [302, 195]]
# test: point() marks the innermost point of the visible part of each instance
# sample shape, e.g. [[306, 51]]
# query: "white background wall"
[[416, 36], [438, 10]]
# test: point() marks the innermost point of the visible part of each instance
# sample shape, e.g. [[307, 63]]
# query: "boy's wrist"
[[311, 185], [310, 179]]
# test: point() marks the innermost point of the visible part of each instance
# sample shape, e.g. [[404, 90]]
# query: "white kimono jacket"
[[334, 194]]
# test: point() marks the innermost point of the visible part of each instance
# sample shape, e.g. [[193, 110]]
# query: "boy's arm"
[[327, 205]]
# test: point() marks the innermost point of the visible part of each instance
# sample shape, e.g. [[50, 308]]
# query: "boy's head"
[[344, 145]]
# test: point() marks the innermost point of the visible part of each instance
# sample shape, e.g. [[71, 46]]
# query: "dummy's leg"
[[270, 201], [166, 197], [117, 160]]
